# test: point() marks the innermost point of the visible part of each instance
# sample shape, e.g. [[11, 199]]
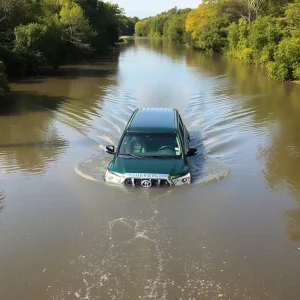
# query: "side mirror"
[[191, 152], [110, 149]]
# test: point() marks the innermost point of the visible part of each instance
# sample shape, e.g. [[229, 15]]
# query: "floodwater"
[[233, 234]]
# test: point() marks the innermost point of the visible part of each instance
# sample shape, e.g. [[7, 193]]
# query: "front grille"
[[138, 182]]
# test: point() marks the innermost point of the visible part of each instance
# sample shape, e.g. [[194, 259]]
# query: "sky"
[[142, 8]]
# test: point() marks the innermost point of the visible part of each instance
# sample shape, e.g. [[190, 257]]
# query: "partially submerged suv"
[[152, 151]]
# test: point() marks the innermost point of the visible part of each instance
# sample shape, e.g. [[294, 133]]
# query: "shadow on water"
[[41, 144], [17, 103], [96, 67], [69, 72], [276, 111], [29, 140]]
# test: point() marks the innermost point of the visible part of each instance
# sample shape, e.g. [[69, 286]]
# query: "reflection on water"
[[30, 142], [276, 120], [21, 102], [282, 152]]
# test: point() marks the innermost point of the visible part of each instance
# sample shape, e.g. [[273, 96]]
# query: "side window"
[[181, 121], [181, 129], [182, 133]]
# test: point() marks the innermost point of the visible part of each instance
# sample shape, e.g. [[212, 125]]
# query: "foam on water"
[[136, 259]]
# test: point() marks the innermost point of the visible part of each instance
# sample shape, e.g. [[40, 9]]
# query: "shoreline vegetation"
[[259, 32], [38, 34]]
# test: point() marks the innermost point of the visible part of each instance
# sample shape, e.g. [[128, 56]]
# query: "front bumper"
[[146, 180]]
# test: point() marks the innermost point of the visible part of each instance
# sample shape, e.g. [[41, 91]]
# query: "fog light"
[[182, 180]]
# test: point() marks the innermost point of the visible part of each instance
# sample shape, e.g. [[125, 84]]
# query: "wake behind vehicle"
[[152, 151]]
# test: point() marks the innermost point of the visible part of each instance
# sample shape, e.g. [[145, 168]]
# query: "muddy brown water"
[[233, 234]]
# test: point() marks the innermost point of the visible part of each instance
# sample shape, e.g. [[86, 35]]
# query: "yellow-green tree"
[[200, 17], [77, 30]]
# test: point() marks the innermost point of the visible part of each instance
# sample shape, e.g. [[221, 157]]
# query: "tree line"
[[36, 33], [264, 32], [169, 25]]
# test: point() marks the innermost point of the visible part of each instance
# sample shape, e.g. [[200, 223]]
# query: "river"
[[233, 234]]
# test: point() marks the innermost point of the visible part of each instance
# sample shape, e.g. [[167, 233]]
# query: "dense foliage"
[[127, 25], [169, 25], [256, 31], [37, 33]]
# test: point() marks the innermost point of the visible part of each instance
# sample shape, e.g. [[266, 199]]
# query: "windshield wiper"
[[131, 155], [161, 156]]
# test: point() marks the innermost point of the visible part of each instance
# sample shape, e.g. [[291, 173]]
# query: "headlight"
[[113, 177], [182, 180]]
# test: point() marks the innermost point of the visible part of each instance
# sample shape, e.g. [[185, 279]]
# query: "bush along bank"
[[259, 32], [169, 25], [37, 33]]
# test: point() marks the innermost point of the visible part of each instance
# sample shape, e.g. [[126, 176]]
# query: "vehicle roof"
[[154, 120]]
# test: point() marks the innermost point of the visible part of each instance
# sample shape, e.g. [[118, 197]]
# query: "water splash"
[[204, 168]]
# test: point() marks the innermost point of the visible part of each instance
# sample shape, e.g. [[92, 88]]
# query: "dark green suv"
[[152, 151]]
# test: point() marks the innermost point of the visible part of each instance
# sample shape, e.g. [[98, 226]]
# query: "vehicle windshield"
[[166, 145]]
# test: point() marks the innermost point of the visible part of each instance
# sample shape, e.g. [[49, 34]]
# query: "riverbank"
[[39, 34], [43, 72], [267, 35]]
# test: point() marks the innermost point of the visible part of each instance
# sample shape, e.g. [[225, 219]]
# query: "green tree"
[[287, 60], [127, 25], [142, 28], [76, 28], [29, 44], [105, 20], [8, 9], [213, 36], [265, 33], [157, 26], [174, 28], [49, 32], [169, 25], [292, 15], [233, 10], [238, 42], [200, 17]]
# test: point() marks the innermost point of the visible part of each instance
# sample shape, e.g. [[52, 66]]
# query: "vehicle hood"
[[144, 165]]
